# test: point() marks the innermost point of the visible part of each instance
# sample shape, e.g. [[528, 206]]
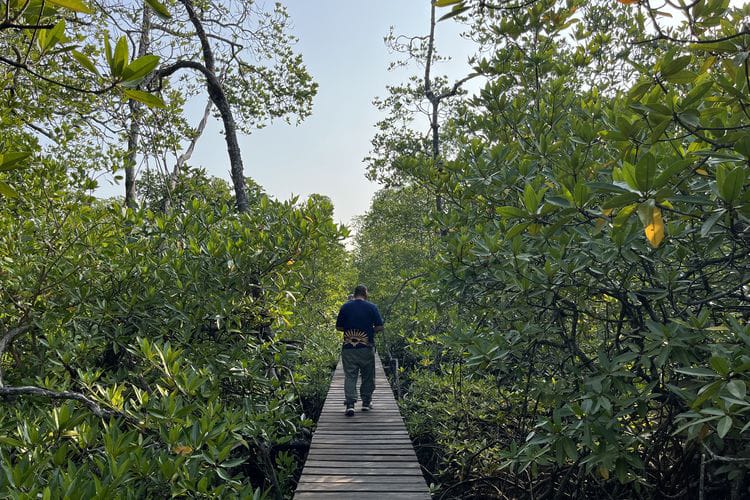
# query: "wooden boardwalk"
[[368, 456]]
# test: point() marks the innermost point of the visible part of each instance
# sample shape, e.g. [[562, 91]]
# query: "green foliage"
[[51, 76], [180, 349], [590, 282], [160, 9], [187, 336], [79, 84], [392, 256]]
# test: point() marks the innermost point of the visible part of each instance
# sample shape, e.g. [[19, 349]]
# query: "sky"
[[342, 44]]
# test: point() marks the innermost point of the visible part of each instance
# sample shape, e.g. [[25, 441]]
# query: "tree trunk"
[[429, 93], [130, 159], [171, 182], [233, 148], [435, 100], [219, 98], [436, 161], [135, 125]]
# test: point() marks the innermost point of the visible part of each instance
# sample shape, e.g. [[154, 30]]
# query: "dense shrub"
[[158, 354], [590, 280]]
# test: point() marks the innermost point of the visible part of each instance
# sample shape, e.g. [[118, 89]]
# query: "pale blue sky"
[[342, 44]]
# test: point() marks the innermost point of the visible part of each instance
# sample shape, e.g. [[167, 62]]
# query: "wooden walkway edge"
[[367, 456]]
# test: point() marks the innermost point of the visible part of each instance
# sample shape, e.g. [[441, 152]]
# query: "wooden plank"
[[360, 438], [354, 438], [377, 464], [353, 433], [361, 495], [357, 491], [354, 424], [358, 424], [337, 415], [363, 428], [347, 429], [385, 426], [370, 450], [381, 456], [362, 444], [371, 416], [338, 418], [363, 471], [375, 448], [377, 404], [364, 483], [407, 466], [369, 454]]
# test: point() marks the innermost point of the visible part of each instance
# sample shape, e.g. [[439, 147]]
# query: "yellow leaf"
[[655, 230], [705, 431], [607, 211], [701, 171], [182, 450], [604, 472], [720, 328]]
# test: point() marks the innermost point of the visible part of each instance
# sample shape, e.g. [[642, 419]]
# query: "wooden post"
[[398, 381]]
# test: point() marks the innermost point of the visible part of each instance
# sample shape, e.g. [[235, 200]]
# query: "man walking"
[[359, 320]]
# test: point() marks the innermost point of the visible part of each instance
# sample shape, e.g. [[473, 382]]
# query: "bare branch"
[[456, 86], [506, 6], [31, 390], [198, 132]]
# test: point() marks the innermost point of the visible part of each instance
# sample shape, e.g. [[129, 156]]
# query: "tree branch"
[[456, 86], [5, 342], [25, 67], [387, 310], [484, 5], [31, 390], [662, 36], [11, 25], [724, 293], [174, 68]]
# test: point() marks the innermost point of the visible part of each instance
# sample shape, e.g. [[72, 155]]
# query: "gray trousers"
[[358, 361]]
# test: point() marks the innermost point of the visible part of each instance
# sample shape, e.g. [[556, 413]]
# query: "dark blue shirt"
[[358, 318]]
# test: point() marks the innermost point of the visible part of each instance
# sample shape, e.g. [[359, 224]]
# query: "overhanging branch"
[[30, 390]]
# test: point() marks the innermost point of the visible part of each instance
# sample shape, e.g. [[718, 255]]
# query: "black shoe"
[[349, 412], [367, 406]]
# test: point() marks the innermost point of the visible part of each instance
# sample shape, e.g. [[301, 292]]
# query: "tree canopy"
[[580, 321]]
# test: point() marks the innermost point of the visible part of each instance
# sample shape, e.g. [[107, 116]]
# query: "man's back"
[[358, 319]]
